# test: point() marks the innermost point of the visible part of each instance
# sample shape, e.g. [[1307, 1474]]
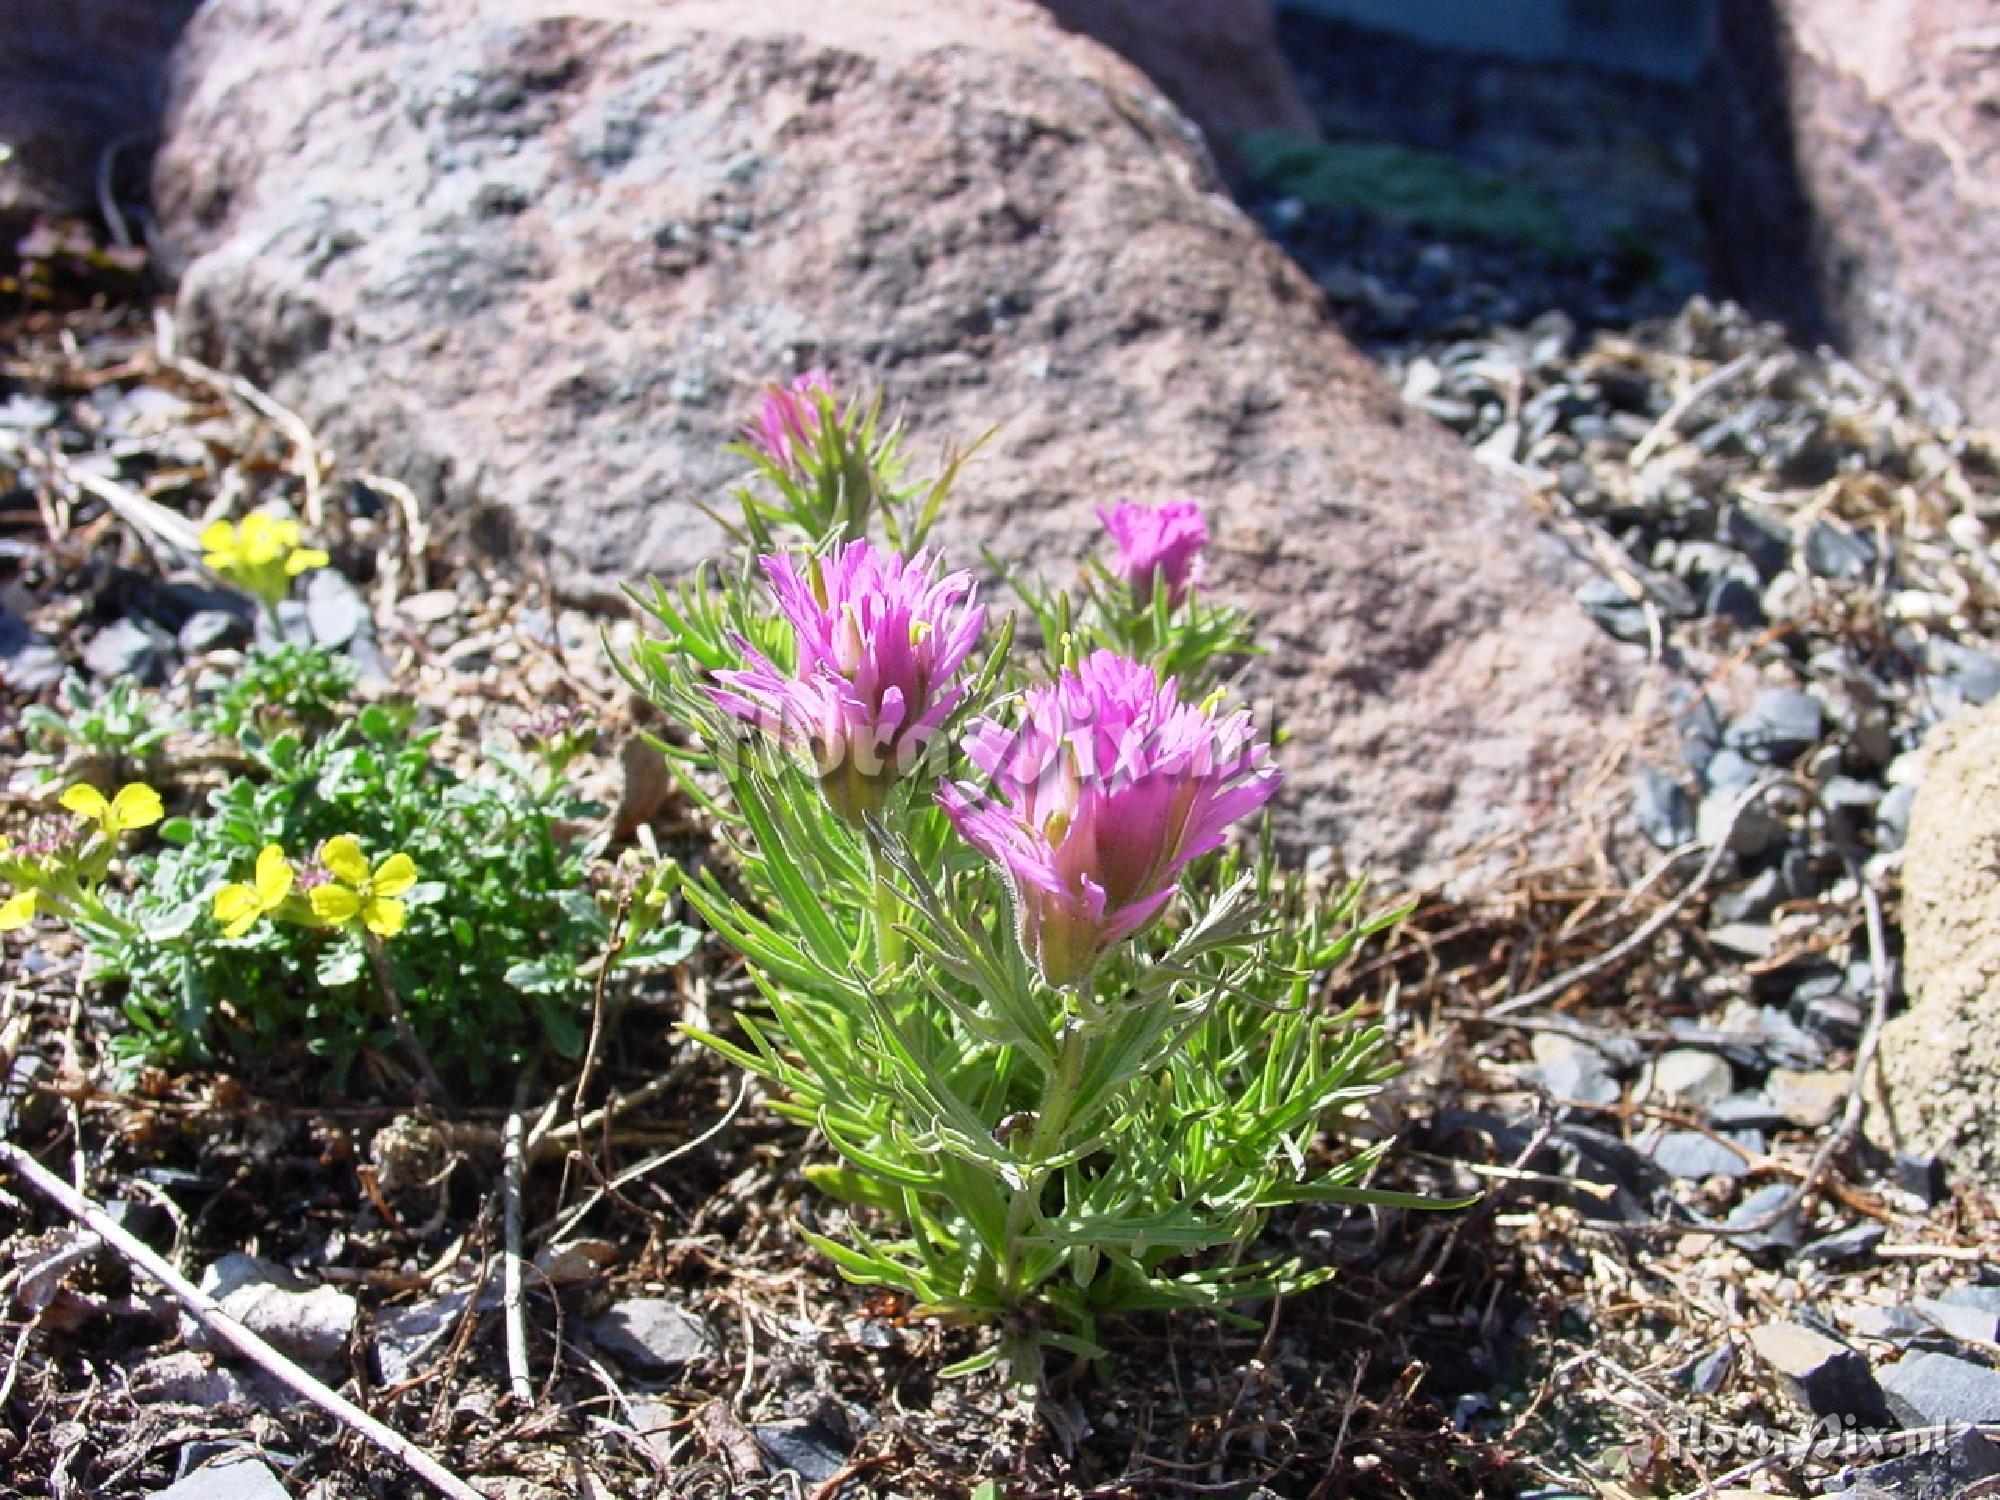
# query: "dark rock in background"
[[1218, 60], [1852, 180], [77, 77]]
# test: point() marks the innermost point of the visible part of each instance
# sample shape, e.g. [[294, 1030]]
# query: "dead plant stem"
[[212, 1317]]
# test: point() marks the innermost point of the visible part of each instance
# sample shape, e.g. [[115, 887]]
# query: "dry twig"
[[518, 1379], [1643, 933], [212, 1317]]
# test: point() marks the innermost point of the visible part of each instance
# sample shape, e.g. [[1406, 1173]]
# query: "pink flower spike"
[[881, 639], [1099, 800], [1163, 540], [787, 420]]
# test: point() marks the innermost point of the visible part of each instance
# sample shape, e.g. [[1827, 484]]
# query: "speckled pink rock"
[[536, 259]]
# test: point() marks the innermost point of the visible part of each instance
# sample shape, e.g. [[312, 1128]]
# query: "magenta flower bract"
[[787, 420], [1164, 539], [1099, 800], [881, 640]]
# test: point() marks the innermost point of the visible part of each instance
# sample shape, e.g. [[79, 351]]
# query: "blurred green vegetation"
[[1423, 189]]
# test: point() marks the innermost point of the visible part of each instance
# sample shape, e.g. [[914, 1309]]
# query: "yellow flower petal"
[[219, 536], [86, 801], [342, 855], [266, 539], [18, 910], [304, 560], [384, 917], [237, 908], [136, 806], [394, 875], [274, 876], [334, 904]]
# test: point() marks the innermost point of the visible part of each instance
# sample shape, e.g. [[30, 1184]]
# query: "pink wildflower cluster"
[[1108, 789], [1163, 542], [881, 639], [1097, 801], [788, 418]]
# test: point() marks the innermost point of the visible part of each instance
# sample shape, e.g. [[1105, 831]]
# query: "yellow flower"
[[135, 806], [257, 544], [238, 907], [261, 555], [18, 910], [356, 892]]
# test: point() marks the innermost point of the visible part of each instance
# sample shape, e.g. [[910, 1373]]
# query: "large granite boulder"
[[536, 260], [1941, 1058], [77, 77], [1852, 177], [1217, 59]]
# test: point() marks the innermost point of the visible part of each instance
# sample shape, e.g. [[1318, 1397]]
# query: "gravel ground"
[[1811, 557]]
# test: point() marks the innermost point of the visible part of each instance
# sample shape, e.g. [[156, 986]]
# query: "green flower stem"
[[1051, 1120], [87, 911], [888, 909], [400, 1019], [614, 946], [96, 915]]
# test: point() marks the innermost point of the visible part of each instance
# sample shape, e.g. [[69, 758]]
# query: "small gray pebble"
[[1782, 724], [1729, 771], [1970, 1324], [1962, 673], [1852, 1244], [1731, 599], [1892, 817], [1752, 831], [127, 649], [1929, 1390], [1832, 551], [1923, 1177], [1784, 1236], [1622, 616], [1661, 808], [1752, 901], [1711, 1372], [212, 630], [239, 1476], [806, 1449], [1693, 1156], [1759, 536]]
